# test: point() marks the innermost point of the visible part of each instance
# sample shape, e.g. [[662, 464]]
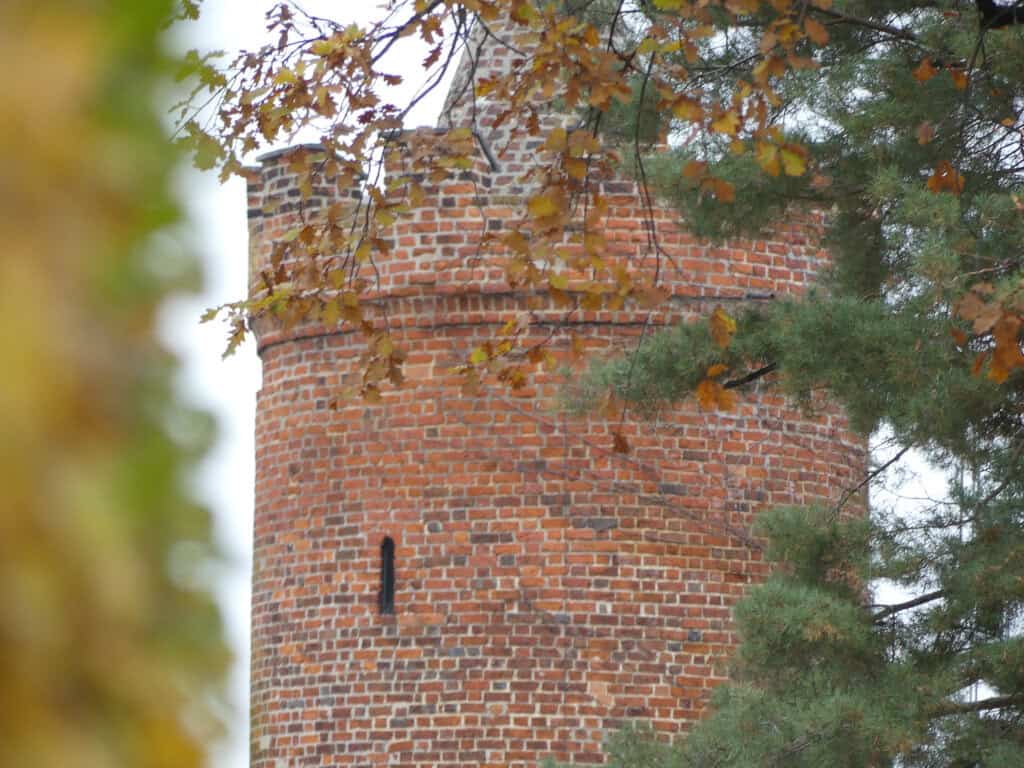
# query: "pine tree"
[[911, 119]]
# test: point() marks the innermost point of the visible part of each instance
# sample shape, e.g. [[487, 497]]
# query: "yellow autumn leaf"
[[713, 396], [728, 123], [557, 140], [794, 159], [722, 327], [768, 158], [542, 206], [717, 370], [768, 67], [516, 242], [576, 168], [688, 109], [330, 313]]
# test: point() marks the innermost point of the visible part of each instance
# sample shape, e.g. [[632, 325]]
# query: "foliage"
[[902, 120], [110, 649], [919, 170], [598, 60]]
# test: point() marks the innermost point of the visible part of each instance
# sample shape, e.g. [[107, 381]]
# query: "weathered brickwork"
[[547, 588]]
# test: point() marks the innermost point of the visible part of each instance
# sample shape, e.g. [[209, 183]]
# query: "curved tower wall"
[[547, 589]]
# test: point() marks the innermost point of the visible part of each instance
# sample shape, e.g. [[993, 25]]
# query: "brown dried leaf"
[[717, 370], [987, 317], [724, 191], [946, 178], [969, 306], [925, 71], [925, 133], [816, 31], [713, 396]]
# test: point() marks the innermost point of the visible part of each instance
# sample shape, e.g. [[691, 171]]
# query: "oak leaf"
[[1006, 357], [816, 31], [557, 140], [723, 190], [946, 178], [768, 158], [794, 159], [728, 123], [987, 317], [713, 396], [542, 206], [695, 169], [925, 71], [688, 109], [969, 306], [717, 370]]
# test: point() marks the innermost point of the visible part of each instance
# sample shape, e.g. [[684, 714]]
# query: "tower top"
[[492, 51]]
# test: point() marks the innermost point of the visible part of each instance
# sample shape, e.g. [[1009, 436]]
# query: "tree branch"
[[844, 18], [997, 16], [752, 376], [891, 610], [870, 476], [983, 705]]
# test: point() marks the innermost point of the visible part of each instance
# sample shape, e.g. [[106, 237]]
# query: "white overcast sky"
[[216, 229]]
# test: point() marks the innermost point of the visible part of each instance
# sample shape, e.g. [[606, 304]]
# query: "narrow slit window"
[[386, 596]]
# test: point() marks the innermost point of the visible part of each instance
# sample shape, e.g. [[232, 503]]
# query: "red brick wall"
[[547, 588]]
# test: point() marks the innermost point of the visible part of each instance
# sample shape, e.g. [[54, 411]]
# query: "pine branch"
[[983, 705], [891, 610], [870, 477], [845, 18], [999, 17], [991, 496], [752, 376]]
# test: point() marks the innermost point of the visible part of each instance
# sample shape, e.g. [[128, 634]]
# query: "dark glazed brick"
[[596, 523]]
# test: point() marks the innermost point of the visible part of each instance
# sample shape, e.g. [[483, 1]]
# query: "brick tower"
[[453, 580]]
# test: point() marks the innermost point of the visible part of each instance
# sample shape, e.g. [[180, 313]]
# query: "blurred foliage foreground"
[[110, 655]]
